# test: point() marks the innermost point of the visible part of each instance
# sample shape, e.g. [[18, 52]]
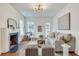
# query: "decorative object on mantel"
[[12, 27], [11, 23], [64, 22], [67, 39]]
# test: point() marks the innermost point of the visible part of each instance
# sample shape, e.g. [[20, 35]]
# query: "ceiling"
[[26, 9]]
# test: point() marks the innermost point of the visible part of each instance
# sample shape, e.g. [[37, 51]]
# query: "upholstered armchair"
[[58, 43]]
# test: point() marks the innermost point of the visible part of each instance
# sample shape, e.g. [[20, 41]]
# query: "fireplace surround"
[[13, 42]]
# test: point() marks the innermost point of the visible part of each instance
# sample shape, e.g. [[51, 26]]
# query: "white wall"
[[0, 42], [7, 11], [74, 10], [40, 21]]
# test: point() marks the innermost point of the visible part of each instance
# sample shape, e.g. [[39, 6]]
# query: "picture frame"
[[39, 28], [64, 22], [11, 23]]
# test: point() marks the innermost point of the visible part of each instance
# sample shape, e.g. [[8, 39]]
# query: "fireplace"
[[13, 42]]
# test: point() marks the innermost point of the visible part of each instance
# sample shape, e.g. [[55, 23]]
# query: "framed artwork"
[[11, 23], [64, 22], [39, 28]]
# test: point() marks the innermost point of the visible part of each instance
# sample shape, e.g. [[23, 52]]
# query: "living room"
[[17, 21]]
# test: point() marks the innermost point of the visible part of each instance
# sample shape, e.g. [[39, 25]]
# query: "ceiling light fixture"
[[38, 8]]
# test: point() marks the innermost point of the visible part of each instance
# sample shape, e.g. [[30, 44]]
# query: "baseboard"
[[62, 51]]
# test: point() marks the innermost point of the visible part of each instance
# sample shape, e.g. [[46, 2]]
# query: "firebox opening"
[[13, 40]]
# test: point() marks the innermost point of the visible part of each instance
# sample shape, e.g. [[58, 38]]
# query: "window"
[[30, 27], [47, 28], [21, 27]]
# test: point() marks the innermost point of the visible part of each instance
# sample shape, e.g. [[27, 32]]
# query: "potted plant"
[[67, 39]]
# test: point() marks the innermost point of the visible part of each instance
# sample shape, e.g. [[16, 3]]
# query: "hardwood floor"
[[70, 54], [8, 54], [14, 54]]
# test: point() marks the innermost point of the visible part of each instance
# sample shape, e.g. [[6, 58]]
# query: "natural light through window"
[[47, 28], [31, 27]]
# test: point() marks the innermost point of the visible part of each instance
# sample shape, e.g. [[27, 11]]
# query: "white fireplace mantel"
[[13, 31], [5, 39]]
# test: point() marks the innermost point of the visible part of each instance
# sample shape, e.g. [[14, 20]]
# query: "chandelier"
[[38, 8]]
